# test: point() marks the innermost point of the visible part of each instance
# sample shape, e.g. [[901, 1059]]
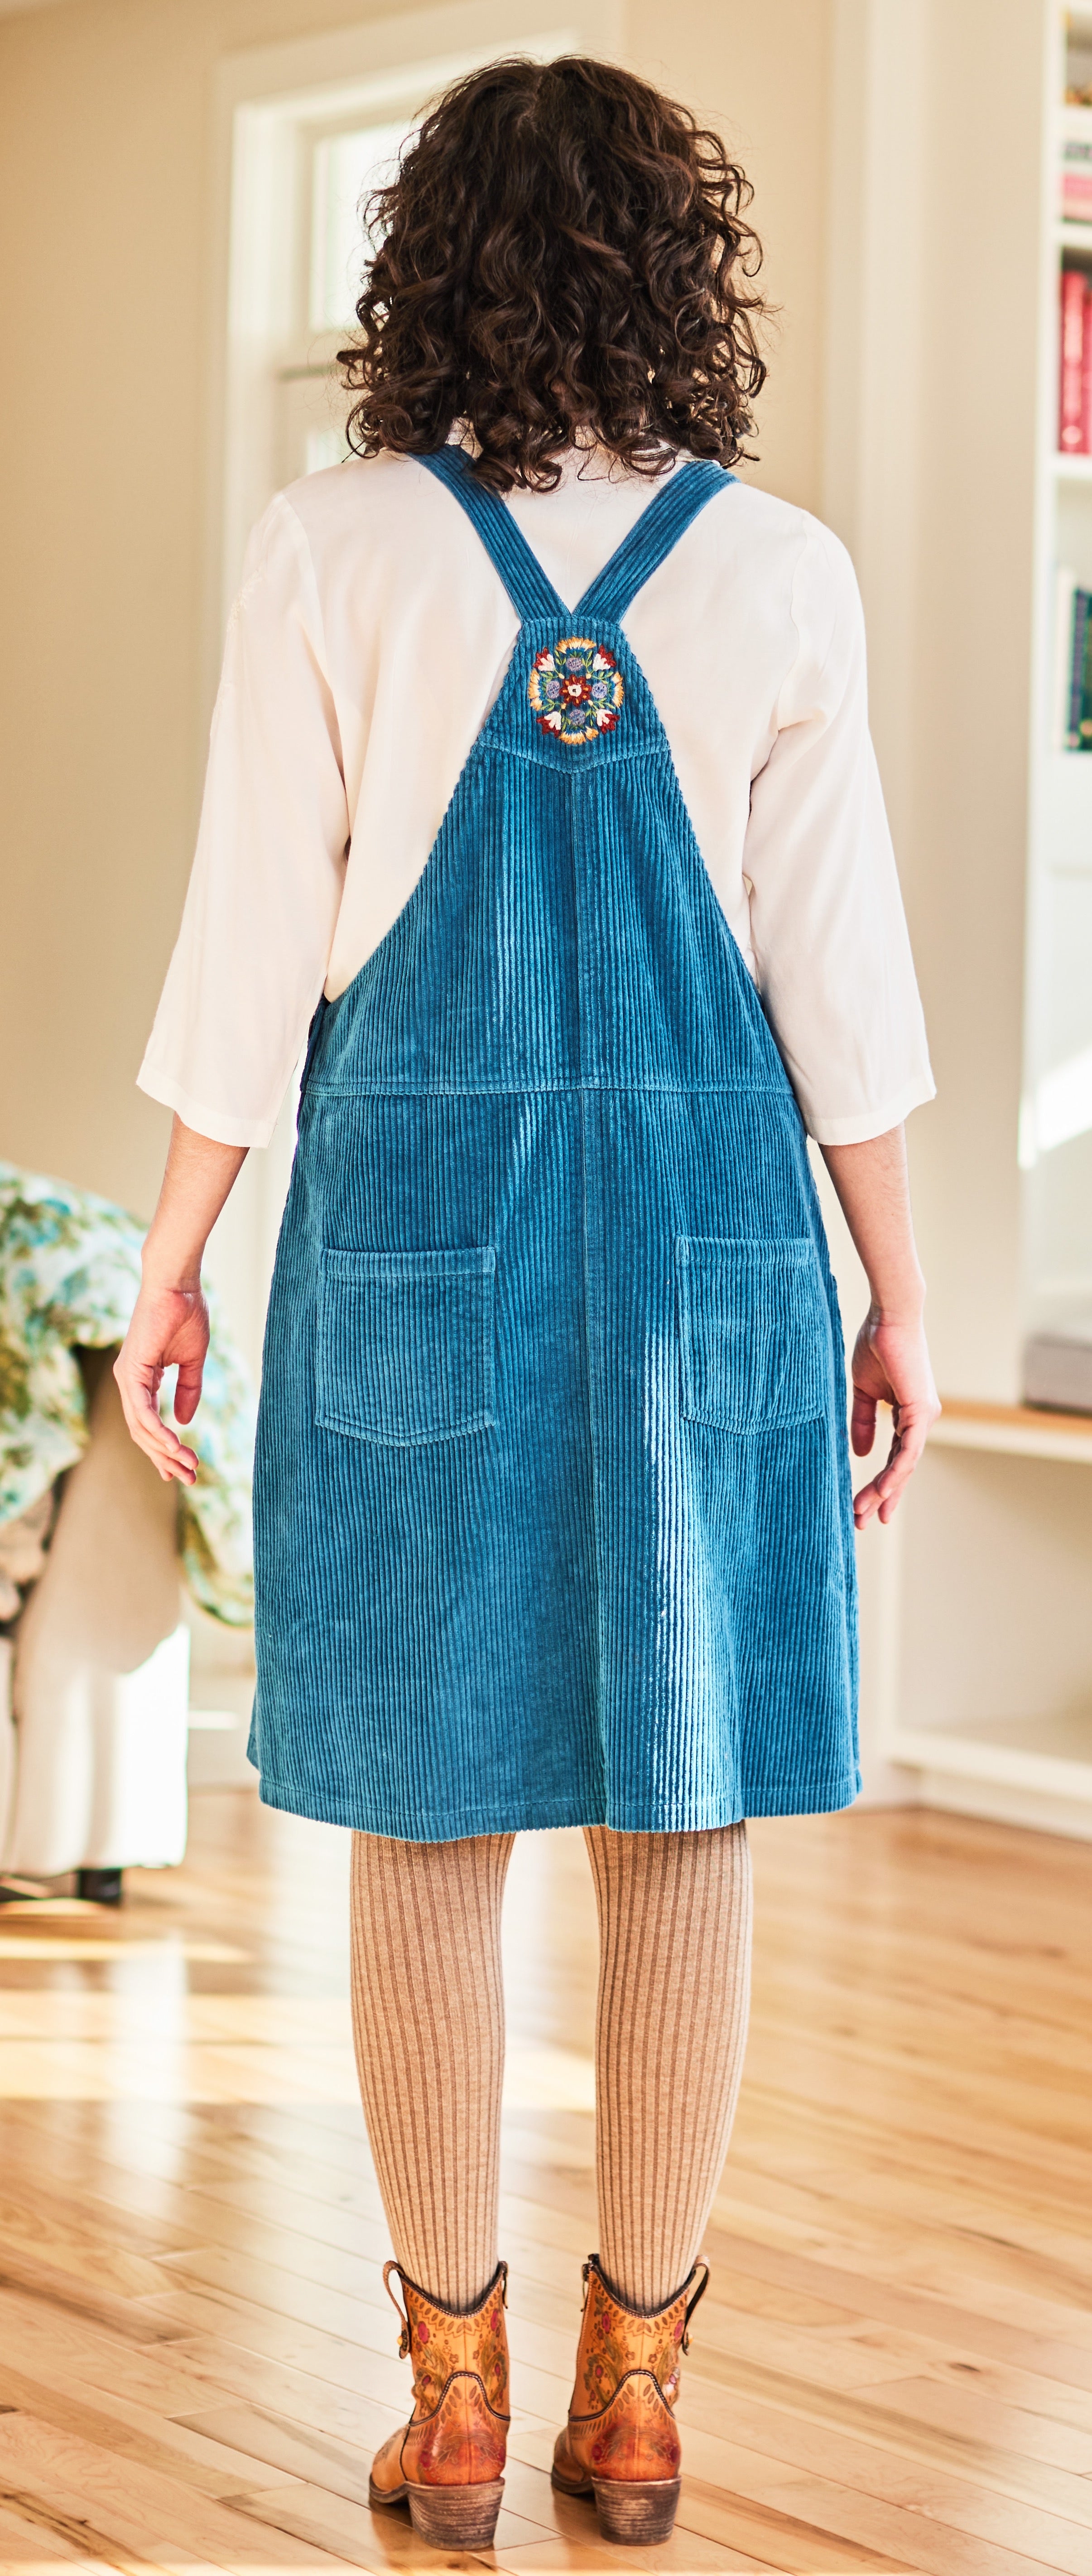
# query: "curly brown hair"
[[562, 259]]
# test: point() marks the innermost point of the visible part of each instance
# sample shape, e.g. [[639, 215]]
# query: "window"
[[303, 158]]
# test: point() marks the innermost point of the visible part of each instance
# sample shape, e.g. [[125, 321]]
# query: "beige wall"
[[966, 853], [931, 365], [105, 198], [759, 71]]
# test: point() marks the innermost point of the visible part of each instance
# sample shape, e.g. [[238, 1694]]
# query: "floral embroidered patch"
[[576, 689]]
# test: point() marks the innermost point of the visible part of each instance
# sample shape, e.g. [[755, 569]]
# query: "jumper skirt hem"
[[553, 1510], [530, 1815]]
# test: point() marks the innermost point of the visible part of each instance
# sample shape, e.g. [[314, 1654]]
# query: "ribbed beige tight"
[[428, 2019]]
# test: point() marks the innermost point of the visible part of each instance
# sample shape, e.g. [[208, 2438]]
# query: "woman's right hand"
[[169, 1328]]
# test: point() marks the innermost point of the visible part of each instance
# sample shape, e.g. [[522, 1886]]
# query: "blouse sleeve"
[[263, 899], [828, 929]]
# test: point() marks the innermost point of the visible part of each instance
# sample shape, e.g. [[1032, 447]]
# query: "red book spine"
[[1086, 376], [1071, 391]]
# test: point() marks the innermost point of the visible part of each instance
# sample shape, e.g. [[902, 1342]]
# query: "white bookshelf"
[[1015, 1431], [1057, 1186], [989, 1618], [981, 1599]]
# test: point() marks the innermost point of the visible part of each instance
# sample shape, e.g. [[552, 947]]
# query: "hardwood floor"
[[893, 2367]]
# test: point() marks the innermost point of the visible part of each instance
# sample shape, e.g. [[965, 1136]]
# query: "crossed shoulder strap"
[[661, 524]]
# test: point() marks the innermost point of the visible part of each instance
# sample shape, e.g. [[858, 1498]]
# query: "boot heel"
[[637, 2512], [456, 2517]]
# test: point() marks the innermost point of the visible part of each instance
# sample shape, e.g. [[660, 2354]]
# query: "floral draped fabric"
[[69, 1275]]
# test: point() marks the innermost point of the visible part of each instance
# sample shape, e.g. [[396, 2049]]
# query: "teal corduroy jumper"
[[552, 1500]]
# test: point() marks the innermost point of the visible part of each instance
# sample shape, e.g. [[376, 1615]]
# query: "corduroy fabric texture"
[[552, 1503], [671, 2025]]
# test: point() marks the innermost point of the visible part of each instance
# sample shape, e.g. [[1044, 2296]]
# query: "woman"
[[553, 1514]]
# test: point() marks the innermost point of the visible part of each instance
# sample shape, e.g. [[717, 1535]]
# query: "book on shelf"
[[1071, 729], [1086, 375], [1075, 363], [1076, 178], [1061, 663]]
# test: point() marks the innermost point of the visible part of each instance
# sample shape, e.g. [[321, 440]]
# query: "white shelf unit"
[[989, 1618], [981, 1636], [1057, 1188]]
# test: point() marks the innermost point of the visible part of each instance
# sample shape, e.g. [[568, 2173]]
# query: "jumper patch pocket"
[[754, 1332], [405, 1345]]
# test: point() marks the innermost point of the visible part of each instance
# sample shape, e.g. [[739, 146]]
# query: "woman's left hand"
[[891, 1365]]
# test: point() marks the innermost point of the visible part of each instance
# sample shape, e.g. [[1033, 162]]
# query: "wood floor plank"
[[147, 2376], [686, 2551], [778, 2539], [40, 2232], [861, 2356], [352, 2263], [1047, 2296], [131, 2433], [366, 2539], [852, 2174], [1053, 2526], [375, 2541], [149, 2514], [938, 2318], [276, 2306], [992, 2462], [65, 2294], [31, 2538], [573, 2520], [1046, 2398], [334, 2391], [932, 2549], [969, 2416], [316, 2456]]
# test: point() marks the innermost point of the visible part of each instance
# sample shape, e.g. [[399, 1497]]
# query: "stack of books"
[[1072, 727], [1077, 178], [1058, 1368], [1075, 382]]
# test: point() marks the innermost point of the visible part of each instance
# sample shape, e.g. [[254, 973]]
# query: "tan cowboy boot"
[[447, 2463], [621, 2441]]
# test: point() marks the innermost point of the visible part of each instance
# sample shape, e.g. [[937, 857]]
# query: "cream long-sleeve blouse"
[[366, 647]]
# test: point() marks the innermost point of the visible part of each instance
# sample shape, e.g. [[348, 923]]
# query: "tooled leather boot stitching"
[[447, 2463], [621, 2441]]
